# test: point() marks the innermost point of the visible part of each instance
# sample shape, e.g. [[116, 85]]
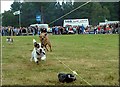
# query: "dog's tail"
[[34, 41]]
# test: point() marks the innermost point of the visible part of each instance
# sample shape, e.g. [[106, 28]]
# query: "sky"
[[6, 5]]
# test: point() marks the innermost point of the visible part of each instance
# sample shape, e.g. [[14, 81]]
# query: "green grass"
[[94, 57]]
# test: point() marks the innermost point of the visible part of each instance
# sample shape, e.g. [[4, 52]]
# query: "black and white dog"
[[38, 52], [9, 40], [66, 77]]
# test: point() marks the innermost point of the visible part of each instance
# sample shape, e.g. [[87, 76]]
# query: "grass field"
[[94, 57]]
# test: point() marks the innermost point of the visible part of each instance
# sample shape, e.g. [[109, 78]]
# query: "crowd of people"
[[15, 31], [59, 30], [99, 29]]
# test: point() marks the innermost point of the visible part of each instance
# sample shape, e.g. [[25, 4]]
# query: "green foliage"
[[28, 13], [113, 8], [95, 11], [9, 19], [15, 6]]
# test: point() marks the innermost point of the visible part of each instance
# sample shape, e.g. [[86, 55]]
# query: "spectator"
[[56, 30], [83, 28], [99, 29], [74, 29], [95, 30], [3, 31], [53, 30], [113, 28], [104, 28], [61, 30]]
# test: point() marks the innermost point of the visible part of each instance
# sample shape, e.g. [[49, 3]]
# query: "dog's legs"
[[43, 55], [32, 56], [31, 59], [35, 58], [50, 47], [46, 47]]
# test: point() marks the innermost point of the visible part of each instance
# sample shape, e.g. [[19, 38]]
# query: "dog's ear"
[[34, 41], [40, 36], [42, 45], [36, 45], [45, 34]]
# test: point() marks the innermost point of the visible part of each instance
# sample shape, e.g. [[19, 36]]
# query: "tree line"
[[95, 11]]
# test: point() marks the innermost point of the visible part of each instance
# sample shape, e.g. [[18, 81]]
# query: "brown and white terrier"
[[45, 41]]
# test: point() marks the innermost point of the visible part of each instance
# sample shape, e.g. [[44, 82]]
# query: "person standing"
[[99, 30], [83, 28]]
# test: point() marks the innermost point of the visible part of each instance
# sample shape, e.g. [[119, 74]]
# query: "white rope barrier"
[[74, 72]]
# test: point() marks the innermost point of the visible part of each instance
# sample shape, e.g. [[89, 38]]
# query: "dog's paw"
[[37, 62], [31, 59]]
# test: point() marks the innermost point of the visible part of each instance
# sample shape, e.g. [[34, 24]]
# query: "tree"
[[50, 11], [106, 13], [41, 6], [9, 19], [28, 13], [15, 6], [113, 8], [96, 13]]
